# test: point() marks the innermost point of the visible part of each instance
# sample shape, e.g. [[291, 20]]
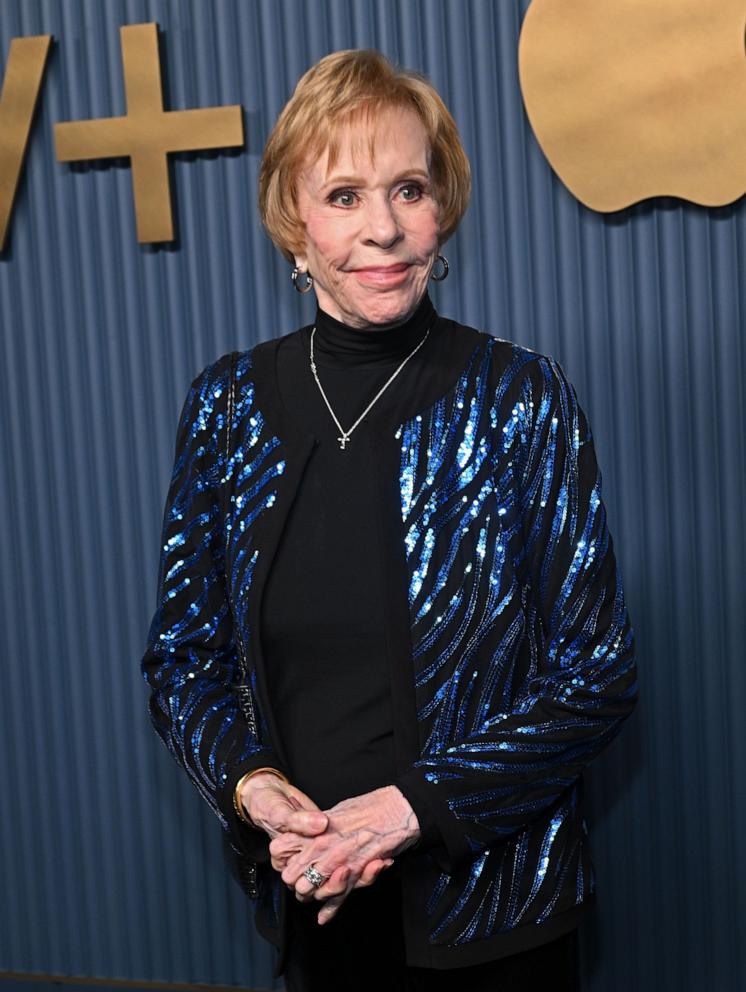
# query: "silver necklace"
[[345, 435]]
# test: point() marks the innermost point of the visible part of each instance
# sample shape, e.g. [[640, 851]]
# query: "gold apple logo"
[[637, 98]]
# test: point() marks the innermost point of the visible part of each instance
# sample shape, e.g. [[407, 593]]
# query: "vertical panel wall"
[[110, 865]]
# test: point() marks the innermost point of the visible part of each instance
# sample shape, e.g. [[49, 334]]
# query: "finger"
[[284, 856], [370, 873], [306, 822], [299, 823], [329, 889], [304, 889], [330, 908], [285, 846], [280, 863], [310, 855], [283, 813], [326, 853], [335, 885], [286, 840], [295, 875], [292, 873]]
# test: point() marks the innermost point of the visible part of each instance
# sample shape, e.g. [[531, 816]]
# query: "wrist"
[[411, 825], [243, 790]]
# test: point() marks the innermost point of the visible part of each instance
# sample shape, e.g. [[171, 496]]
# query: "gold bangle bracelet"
[[239, 806]]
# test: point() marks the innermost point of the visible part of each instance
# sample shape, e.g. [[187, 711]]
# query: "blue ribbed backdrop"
[[110, 866]]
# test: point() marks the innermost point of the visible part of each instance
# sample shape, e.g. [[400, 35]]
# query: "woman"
[[394, 523]]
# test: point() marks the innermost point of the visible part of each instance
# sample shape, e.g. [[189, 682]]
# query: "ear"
[[301, 261]]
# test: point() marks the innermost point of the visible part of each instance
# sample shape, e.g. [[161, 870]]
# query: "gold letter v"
[[20, 92]]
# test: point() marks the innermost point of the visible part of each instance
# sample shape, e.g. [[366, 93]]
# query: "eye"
[[410, 192], [343, 197]]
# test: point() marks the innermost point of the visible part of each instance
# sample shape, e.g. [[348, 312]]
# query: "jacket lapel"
[[266, 529], [396, 604]]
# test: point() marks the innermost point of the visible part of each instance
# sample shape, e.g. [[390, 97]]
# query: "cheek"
[[326, 238], [425, 229]]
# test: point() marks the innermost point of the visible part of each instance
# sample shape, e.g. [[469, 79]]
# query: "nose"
[[382, 225]]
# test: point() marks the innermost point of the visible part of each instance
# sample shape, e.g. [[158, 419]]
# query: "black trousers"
[[363, 948]]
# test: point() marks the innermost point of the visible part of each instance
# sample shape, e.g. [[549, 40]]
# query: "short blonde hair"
[[345, 86]]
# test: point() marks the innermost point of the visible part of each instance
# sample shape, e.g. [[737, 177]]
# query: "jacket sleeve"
[[573, 701], [190, 661]]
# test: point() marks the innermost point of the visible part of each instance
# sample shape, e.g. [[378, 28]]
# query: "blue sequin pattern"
[[522, 647], [190, 661]]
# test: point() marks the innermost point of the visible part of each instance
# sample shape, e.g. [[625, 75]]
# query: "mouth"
[[383, 275]]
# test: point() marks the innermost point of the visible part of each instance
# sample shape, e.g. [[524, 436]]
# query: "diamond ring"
[[314, 877]]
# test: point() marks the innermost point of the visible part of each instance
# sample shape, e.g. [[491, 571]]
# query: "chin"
[[389, 311]]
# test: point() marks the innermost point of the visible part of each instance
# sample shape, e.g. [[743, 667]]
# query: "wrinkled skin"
[[350, 844], [371, 225]]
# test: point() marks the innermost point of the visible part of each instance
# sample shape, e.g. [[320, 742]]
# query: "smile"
[[383, 275]]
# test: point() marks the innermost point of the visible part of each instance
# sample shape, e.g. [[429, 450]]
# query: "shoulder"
[[526, 392], [512, 366], [232, 377], [216, 374]]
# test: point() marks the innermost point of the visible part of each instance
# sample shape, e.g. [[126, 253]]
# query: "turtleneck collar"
[[337, 345]]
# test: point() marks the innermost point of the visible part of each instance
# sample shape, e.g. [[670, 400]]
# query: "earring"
[[307, 286], [444, 269]]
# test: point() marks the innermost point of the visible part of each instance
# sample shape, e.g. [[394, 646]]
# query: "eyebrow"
[[359, 181]]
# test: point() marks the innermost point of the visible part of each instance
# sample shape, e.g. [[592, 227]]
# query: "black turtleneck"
[[327, 657], [323, 622]]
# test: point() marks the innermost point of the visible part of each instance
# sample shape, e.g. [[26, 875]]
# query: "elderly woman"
[[390, 630]]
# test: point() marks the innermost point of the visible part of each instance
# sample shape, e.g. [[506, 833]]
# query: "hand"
[[338, 886], [278, 807], [361, 832]]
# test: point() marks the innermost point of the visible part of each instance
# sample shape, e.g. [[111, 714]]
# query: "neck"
[[338, 344]]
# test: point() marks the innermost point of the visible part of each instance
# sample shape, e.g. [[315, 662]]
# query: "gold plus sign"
[[147, 133]]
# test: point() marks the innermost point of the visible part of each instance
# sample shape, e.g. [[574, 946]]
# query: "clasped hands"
[[350, 844]]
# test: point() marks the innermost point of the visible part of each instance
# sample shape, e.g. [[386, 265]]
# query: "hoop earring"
[[307, 286], [444, 270]]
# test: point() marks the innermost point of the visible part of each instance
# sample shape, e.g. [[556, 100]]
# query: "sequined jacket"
[[513, 651]]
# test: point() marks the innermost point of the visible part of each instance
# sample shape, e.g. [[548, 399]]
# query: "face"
[[371, 225]]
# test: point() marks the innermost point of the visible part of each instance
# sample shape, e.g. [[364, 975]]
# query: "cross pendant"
[[343, 441]]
